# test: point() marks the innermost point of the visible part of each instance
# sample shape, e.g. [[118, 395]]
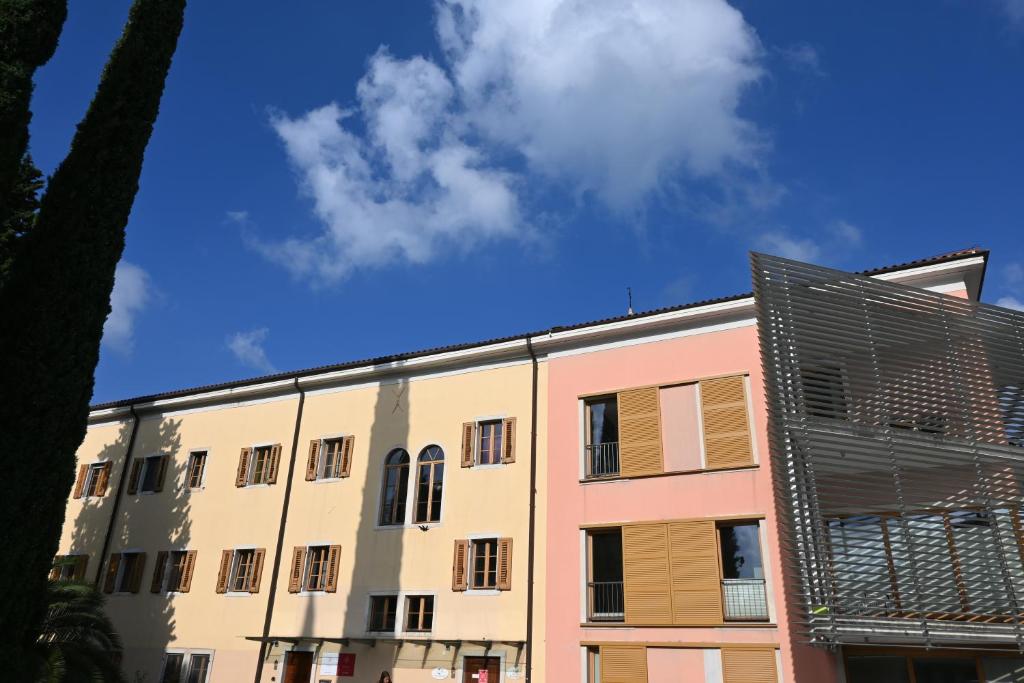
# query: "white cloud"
[[1014, 10], [846, 234], [248, 348], [1011, 302], [780, 244], [1014, 274], [239, 217], [803, 57], [132, 292]]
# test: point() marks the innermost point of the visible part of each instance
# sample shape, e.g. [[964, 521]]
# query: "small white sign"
[[513, 672], [328, 665], [440, 673]]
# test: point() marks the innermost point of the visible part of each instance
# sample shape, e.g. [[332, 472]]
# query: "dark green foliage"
[[22, 203], [77, 642], [53, 307]]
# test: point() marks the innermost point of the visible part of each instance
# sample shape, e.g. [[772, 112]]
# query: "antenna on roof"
[[629, 296]]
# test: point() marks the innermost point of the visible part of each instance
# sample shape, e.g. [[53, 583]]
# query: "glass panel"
[[880, 669], [1003, 669], [91, 486], [435, 499], [127, 568], [741, 552], [604, 420], [943, 670], [423, 493], [198, 668], [176, 565], [195, 470], [172, 667]]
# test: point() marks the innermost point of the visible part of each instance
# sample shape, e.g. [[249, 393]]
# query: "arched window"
[[429, 485], [396, 487]]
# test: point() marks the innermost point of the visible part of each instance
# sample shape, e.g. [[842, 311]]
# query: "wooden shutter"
[[133, 478], [186, 573], [257, 568], [104, 479], [645, 574], [749, 665], [242, 476], [508, 440], [58, 562], [313, 459], [460, 566], [83, 471], [295, 570], [81, 563], [468, 432], [112, 566], [275, 460], [640, 432], [225, 569], [504, 564], [347, 445], [723, 404], [623, 664], [158, 572], [333, 558], [696, 588], [161, 472], [135, 580]]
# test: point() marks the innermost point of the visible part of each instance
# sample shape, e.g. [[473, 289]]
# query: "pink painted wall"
[[704, 494], [674, 665], [680, 428]]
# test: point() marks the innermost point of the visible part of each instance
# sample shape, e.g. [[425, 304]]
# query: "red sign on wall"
[[347, 664], [482, 676]]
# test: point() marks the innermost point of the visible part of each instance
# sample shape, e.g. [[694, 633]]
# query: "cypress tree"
[[53, 307], [22, 203]]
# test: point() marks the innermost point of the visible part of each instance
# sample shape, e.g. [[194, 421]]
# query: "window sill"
[[238, 594], [484, 591], [254, 486], [724, 624], [326, 480], [312, 594], [414, 525], [494, 466], [604, 480]]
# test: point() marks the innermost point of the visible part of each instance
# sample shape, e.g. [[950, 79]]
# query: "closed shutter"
[[136, 577], [186, 573], [348, 444], [83, 472], [723, 403], [104, 479], [161, 472], [81, 564], [460, 566], [158, 573], [623, 664], [645, 566], [257, 569], [696, 589], [111, 577], [58, 562], [640, 432], [275, 461], [468, 432], [504, 564], [313, 460], [133, 478], [333, 558], [508, 440], [225, 569], [295, 569], [242, 476], [749, 666]]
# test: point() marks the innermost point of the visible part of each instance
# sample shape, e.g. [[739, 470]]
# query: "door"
[[298, 666], [481, 670]]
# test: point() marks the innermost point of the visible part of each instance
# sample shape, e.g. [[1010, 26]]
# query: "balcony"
[[605, 601], [744, 600], [602, 460]]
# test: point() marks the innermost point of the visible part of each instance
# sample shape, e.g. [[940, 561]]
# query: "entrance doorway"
[[481, 670], [298, 666]]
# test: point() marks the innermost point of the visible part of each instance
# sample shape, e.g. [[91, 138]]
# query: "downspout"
[[531, 552], [280, 534], [117, 496]]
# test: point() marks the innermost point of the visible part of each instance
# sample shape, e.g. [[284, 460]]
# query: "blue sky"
[[345, 180]]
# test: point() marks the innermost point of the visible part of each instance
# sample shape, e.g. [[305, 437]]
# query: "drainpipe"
[[117, 496], [280, 534], [533, 514]]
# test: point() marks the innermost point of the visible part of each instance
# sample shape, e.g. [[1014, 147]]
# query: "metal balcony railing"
[[605, 601], [744, 600], [602, 460]]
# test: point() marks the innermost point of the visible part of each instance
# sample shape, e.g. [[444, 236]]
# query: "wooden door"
[[298, 666], [481, 670]]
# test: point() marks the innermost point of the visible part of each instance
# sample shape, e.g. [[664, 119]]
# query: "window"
[[485, 564], [196, 468], [331, 460], [489, 446], [174, 664], [127, 572], [743, 587], [69, 567], [95, 481], [316, 570], [382, 613], [147, 475], [258, 465], [173, 572], [602, 437], [593, 665], [198, 668], [186, 667], [419, 613], [242, 570], [396, 485], [261, 465], [605, 599], [429, 485]]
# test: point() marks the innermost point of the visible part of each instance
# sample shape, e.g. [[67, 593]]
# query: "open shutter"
[[645, 574], [58, 562], [112, 566], [225, 569], [186, 574], [275, 461], [103, 479], [347, 444], [83, 471], [723, 403], [257, 569], [696, 589], [749, 665], [242, 475], [161, 472], [313, 459], [295, 569], [158, 573], [468, 432], [508, 440], [81, 563], [136, 577], [133, 478], [504, 564], [333, 558], [640, 432], [460, 566], [623, 664]]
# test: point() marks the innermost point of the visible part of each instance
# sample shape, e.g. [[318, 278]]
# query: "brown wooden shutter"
[[136, 577], [508, 440], [257, 568], [504, 564], [623, 664], [83, 471], [186, 574], [460, 566], [104, 479], [133, 478], [158, 572], [242, 475], [275, 460], [468, 432], [58, 562], [749, 665], [347, 446], [112, 566], [696, 587], [161, 473], [81, 563], [333, 559], [225, 569], [723, 403], [645, 574], [313, 459], [295, 569], [640, 432]]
